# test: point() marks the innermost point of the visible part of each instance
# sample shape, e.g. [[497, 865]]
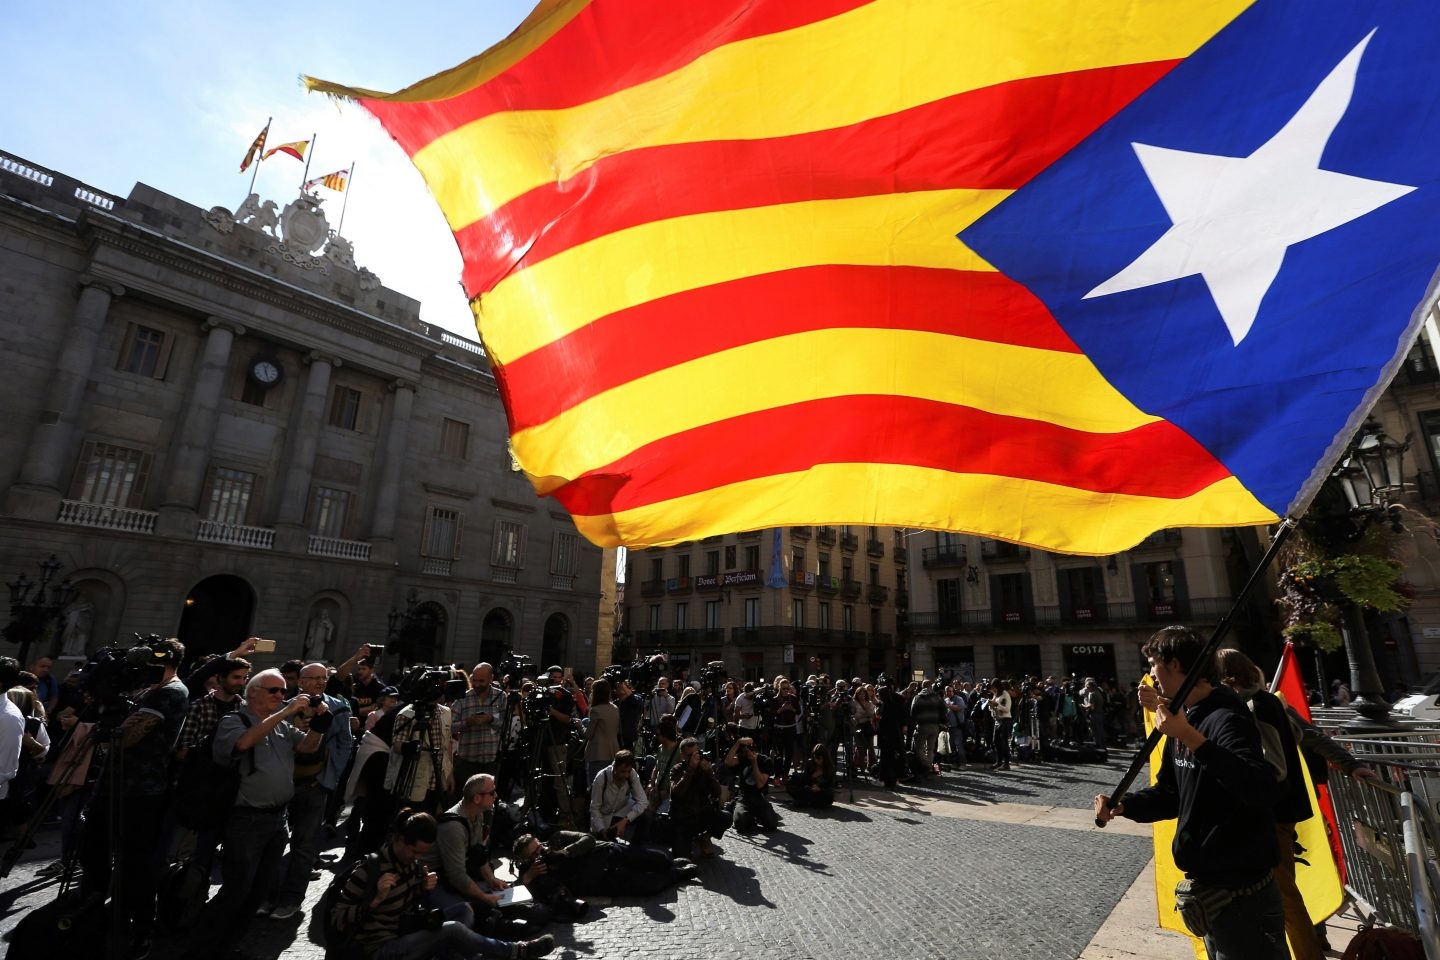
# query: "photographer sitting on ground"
[[577, 865], [617, 800], [379, 892], [813, 785], [752, 808]]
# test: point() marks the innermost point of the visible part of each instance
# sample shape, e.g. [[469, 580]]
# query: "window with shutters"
[[110, 475], [682, 616], [454, 439], [441, 538], [328, 509], [145, 351], [509, 544], [345, 408], [231, 492], [565, 554]]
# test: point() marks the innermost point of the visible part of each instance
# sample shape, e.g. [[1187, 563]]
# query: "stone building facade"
[[221, 430]]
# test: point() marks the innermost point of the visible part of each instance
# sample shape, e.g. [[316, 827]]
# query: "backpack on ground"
[[325, 931], [71, 926]]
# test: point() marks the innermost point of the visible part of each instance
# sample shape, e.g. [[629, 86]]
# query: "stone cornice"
[[512, 505], [454, 492], [149, 245]]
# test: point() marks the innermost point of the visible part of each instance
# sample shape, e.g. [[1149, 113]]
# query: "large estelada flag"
[[1061, 273]]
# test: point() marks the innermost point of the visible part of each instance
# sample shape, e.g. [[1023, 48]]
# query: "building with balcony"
[[766, 602], [985, 608], [220, 434]]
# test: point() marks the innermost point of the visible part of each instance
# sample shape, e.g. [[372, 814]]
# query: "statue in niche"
[[317, 638], [79, 618]]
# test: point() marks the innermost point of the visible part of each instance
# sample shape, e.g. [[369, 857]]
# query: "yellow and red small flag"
[[295, 149], [334, 181], [254, 150]]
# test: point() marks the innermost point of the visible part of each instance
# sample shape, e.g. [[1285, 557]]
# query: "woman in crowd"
[[602, 738], [863, 707]]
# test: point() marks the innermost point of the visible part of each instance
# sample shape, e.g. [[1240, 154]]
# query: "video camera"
[[113, 672], [426, 686], [515, 666], [641, 675], [714, 674]]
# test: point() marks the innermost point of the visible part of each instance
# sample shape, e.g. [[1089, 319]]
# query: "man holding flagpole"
[[1214, 780]]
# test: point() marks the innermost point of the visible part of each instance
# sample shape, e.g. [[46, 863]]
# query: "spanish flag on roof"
[[1060, 273]]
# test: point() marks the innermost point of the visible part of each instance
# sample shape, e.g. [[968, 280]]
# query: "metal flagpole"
[[1193, 676], [349, 177], [258, 155], [308, 154]]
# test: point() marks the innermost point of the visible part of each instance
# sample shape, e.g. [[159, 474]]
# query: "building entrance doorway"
[[217, 615]]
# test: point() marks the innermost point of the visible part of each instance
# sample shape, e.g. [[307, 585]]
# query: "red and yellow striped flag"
[[295, 149], [335, 181], [254, 151], [711, 250]]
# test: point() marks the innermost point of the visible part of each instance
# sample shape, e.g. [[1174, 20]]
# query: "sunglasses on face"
[[273, 691]]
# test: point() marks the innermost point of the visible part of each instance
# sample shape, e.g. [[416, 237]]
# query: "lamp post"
[[31, 613], [1370, 477], [399, 627]]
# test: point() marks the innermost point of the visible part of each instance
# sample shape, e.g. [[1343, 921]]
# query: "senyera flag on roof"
[[1057, 273]]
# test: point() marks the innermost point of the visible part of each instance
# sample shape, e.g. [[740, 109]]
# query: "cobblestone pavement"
[[974, 864]]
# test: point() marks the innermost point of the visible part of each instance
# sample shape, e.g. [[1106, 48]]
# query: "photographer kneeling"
[[374, 910], [753, 808], [695, 814], [578, 865]]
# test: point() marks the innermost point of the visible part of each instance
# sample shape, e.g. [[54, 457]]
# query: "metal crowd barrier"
[[1389, 832]]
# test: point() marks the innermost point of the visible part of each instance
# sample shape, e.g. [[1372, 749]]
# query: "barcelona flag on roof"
[[1059, 273]]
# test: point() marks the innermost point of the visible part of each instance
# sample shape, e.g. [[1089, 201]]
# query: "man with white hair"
[[262, 738]]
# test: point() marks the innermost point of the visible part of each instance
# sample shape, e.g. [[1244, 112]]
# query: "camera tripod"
[[421, 738], [547, 788]]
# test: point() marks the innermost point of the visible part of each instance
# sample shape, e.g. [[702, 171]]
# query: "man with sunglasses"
[[261, 738], [462, 851]]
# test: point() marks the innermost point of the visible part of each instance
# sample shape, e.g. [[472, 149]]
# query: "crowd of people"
[[437, 778]]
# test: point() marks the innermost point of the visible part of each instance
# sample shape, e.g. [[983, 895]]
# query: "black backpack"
[[324, 930], [205, 791]]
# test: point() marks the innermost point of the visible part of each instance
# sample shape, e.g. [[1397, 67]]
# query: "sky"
[[172, 94]]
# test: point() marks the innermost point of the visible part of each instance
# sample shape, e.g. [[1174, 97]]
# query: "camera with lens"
[[763, 697], [515, 666], [419, 918], [537, 705], [641, 675]]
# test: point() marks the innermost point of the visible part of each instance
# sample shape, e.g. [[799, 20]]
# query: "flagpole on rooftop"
[[349, 180], [308, 154], [1287, 526], [265, 134]]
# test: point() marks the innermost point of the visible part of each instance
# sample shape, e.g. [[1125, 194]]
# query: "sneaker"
[[285, 912], [538, 947], [686, 873], [265, 909]]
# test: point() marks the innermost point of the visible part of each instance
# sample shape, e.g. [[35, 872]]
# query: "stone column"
[[392, 458], [181, 503], [300, 449], [37, 493]]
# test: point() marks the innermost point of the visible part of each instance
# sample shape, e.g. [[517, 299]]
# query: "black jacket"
[[1222, 795]]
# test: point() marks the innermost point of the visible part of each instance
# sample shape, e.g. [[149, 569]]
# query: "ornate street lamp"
[[1370, 477], [31, 614]]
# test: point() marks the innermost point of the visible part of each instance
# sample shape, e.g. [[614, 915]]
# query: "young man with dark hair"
[[1214, 780]]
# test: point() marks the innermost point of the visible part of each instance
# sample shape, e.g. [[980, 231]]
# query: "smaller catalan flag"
[[296, 150], [335, 181], [254, 150]]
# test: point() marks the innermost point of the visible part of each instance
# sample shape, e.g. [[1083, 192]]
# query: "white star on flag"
[[1233, 218]]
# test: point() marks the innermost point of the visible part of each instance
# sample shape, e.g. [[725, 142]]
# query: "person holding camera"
[[421, 768], [317, 773], [140, 751], [752, 807], [376, 909], [660, 703], [574, 865], [260, 739], [694, 793]]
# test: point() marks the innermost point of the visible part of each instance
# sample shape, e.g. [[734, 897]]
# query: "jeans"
[[254, 842], [927, 743], [306, 813], [460, 940], [1002, 739], [1251, 927]]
